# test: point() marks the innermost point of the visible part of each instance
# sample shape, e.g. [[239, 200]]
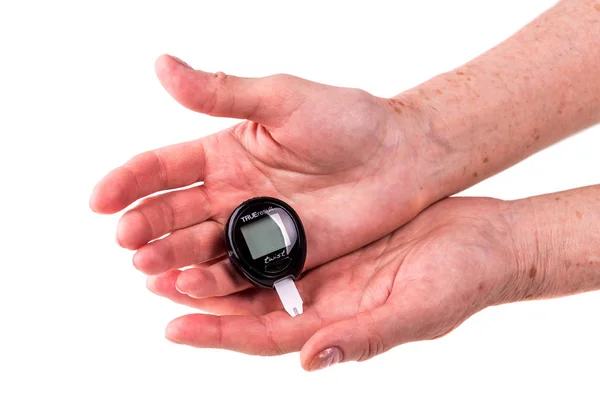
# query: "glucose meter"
[[266, 243]]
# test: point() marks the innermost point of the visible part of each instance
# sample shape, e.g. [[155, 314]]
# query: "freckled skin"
[[439, 269], [532, 272], [545, 227], [420, 282], [509, 92], [372, 283]]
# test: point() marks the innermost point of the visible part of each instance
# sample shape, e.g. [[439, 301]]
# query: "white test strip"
[[288, 293]]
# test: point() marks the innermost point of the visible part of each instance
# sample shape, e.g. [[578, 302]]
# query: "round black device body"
[[266, 241]]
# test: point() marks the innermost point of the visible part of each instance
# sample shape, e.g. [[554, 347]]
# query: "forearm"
[[556, 241], [537, 87]]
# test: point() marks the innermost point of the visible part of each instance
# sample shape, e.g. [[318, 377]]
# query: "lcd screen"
[[263, 236]]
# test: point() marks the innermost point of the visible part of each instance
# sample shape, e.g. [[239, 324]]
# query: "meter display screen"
[[265, 235]]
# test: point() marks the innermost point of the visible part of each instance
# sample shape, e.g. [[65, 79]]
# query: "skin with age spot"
[[420, 282], [358, 168], [532, 272], [397, 105], [419, 273]]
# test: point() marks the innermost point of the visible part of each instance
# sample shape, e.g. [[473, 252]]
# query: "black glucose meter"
[[266, 243]]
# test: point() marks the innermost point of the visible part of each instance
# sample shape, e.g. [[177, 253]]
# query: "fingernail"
[[326, 358], [181, 62], [179, 290], [151, 283], [117, 240], [170, 335], [176, 341]]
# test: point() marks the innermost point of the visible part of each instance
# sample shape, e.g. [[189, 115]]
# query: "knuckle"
[[373, 342], [206, 203], [273, 347], [220, 76], [170, 255], [143, 219], [373, 347], [167, 213], [153, 161], [220, 82]]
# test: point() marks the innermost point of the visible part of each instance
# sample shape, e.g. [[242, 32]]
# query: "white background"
[[78, 97]]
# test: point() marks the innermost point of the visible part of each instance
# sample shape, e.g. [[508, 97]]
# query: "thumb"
[[267, 101], [357, 339]]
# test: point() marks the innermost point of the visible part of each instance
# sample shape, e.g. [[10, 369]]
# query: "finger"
[[359, 338], [159, 215], [272, 334], [264, 100], [219, 279], [252, 301], [167, 168], [193, 245]]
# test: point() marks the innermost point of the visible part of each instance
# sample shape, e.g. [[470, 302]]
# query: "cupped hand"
[[345, 160], [419, 282]]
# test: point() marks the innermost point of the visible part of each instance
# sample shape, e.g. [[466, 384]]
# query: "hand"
[[420, 282], [348, 162]]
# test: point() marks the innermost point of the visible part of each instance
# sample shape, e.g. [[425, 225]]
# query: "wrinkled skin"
[[420, 282], [350, 164], [336, 155]]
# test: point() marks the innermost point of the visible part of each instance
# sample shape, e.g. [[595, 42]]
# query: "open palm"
[[342, 158], [417, 283]]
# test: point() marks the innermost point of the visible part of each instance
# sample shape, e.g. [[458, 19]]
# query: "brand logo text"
[[255, 214]]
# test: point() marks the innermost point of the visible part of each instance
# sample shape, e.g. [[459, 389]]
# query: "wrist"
[[554, 245], [477, 120], [413, 159], [434, 159], [527, 277], [459, 142]]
